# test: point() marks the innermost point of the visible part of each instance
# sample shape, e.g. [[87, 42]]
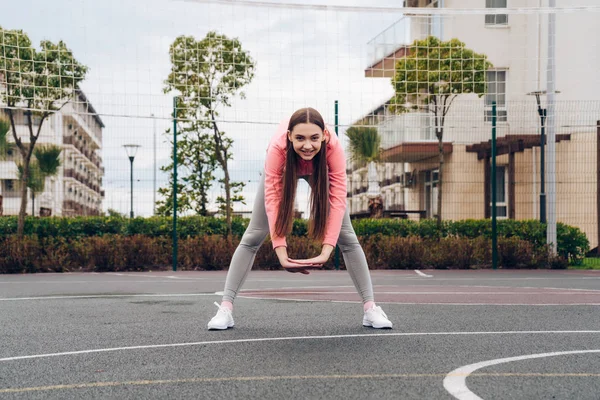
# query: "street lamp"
[[131, 150], [542, 114]]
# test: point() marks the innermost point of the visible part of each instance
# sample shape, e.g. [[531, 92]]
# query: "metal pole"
[[542, 113], [336, 257], [154, 169], [174, 183], [131, 186], [551, 122], [494, 198]]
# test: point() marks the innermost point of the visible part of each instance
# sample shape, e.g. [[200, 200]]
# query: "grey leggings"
[[256, 233]]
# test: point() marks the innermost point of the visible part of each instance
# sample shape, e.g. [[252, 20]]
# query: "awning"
[[414, 151]]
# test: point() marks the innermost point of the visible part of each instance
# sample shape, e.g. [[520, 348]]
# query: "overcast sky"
[[303, 58]]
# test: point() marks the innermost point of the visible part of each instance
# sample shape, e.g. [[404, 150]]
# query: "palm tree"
[[365, 147], [46, 165]]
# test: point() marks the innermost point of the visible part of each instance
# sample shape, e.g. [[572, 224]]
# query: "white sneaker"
[[223, 319], [376, 318]]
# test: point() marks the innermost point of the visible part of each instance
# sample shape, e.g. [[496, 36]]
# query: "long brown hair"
[[319, 199]]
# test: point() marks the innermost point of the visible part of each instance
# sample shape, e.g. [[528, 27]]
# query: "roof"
[[83, 98]]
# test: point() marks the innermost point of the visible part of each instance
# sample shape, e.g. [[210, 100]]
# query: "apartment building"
[[516, 44], [77, 188]]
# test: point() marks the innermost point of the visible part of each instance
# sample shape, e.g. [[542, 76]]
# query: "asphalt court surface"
[[457, 334]]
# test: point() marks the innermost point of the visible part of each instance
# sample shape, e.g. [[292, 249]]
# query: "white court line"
[[418, 304], [424, 275], [274, 339], [456, 381], [263, 292], [111, 281], [104, 296]]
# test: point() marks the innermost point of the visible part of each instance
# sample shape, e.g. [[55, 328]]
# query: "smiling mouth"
[[307, 153]]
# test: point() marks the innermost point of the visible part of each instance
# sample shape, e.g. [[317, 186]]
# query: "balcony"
[[72, 208], [89, 154], [409, 137], [391, 44], [93, 133], [407, 127], [71, 173]]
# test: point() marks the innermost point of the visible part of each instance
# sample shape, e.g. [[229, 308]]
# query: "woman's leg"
[[355, 260], [243, 257]]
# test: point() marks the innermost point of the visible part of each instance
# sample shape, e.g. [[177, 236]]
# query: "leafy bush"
[[117, 243]]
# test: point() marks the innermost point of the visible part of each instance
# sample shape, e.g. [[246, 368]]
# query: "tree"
[[194, 155], [37, 83], [433, 74], [115, 213], [365, 147], [208, 74], [46, 163]]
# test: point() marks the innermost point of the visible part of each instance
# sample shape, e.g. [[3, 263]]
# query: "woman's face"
[[307, 140]]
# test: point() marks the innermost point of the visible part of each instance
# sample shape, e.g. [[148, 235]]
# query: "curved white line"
[[456, 381], [358, 335]]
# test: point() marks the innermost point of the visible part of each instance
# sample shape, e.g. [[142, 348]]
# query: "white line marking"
[[105, 296], [360, 335], [418, 304], [264, 292], [151, 282], [423, 274], [456, 381]]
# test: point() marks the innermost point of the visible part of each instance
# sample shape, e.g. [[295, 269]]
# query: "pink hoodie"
[[336, 164]]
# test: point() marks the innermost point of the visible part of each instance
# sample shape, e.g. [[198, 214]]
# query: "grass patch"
[[588, 263]]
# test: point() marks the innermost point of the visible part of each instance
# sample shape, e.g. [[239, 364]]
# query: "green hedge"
[[213, 252], [572, 242]]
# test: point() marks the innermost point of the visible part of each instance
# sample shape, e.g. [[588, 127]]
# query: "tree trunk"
[[23, 208], [221, 155], [227, 199]]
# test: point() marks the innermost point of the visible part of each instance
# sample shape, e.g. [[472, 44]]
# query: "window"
[[496, 92], [496, 19], [10, 188], [501, 198], [431, 193]]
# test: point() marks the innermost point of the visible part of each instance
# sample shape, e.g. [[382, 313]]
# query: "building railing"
[[94, 159], [73, 208], [71, 173]]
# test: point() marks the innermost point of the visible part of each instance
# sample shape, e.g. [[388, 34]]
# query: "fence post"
[[494, 198], [175, 244]]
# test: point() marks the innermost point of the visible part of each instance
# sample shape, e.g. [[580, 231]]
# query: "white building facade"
[[77, 188], [516, 44]]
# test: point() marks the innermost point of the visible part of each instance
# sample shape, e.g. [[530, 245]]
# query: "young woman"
[[301, 148]]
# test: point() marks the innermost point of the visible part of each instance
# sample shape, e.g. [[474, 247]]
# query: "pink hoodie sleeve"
[[336, 162], [273, 182]]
